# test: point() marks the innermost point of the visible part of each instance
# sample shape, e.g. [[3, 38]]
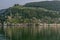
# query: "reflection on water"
[[30, 31], [2, 37]]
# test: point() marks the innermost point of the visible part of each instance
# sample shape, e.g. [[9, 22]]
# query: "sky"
[[8, 3]]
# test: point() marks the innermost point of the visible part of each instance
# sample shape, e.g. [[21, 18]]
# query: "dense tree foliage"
[[51, 5], [20, 14]]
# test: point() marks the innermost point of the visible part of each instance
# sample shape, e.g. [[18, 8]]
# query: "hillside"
[[50, 5], [20, 14]]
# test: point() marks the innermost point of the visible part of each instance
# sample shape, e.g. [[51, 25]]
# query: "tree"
[[16, 5], [2, 19]]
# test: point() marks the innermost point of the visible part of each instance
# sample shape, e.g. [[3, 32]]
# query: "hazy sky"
[[7, 3]]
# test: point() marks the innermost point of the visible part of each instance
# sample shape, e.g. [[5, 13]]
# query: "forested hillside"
[[51, 5], [20, 14]]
